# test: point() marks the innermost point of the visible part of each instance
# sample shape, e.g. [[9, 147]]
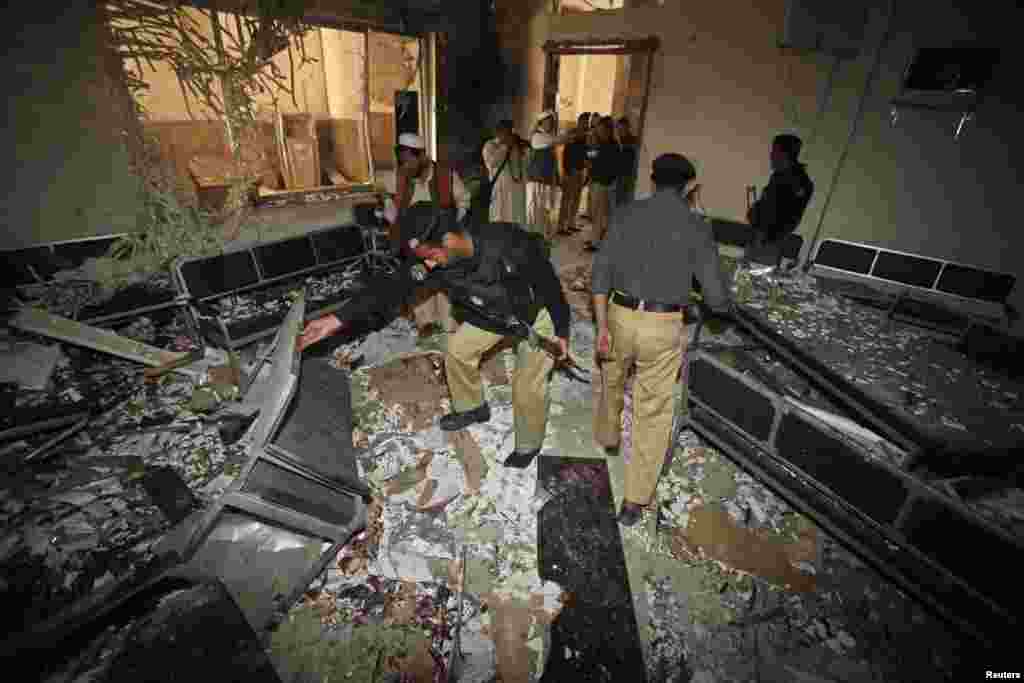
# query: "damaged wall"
[[66, 118], [721, 88], [912, 186]]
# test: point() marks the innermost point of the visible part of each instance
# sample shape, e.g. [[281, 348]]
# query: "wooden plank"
[[382, 139], [302, 152], [366, 105], [282, 150], [299, 125], [67, 330], [349, 149]]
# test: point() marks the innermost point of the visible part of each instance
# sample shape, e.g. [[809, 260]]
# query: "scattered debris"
[[708, 564], [715, 532], [65, 329], [415, 383], [27, 364]]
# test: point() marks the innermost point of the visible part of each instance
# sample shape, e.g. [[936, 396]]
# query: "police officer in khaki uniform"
[[494, 273], [641, 284]]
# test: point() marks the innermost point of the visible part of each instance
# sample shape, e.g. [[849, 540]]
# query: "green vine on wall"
[[222, 62], [222, 68]]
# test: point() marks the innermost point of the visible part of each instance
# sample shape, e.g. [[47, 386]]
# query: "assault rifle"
[[517, 327]]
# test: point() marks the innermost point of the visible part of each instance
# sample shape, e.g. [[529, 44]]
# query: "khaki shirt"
[[654, 248]]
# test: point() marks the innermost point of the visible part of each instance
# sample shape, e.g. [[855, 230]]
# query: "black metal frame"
[[986, 309], [371, 256], [238, 499], [886, 547], [867, 410]]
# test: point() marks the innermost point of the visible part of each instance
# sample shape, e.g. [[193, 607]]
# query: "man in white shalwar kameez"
[[505, 159]]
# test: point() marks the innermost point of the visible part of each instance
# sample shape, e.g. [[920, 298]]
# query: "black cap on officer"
[[672, 170], [425, 222]]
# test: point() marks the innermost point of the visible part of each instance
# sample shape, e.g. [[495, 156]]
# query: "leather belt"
[[627, 301]]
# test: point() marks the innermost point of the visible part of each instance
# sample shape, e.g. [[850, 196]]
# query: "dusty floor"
[[728, 582]]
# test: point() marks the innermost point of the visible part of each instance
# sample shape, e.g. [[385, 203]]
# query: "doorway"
[[608, 77], [617, 71]]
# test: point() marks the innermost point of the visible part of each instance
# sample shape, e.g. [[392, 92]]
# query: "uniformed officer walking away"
[[605, 162], [574, 159], [494, 273], [641, 284], [778, 211], [625, 184]]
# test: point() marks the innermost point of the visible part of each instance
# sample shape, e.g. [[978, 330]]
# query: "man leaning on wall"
[[641, 285]]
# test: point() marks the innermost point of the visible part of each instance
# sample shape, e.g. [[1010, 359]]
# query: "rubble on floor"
[[709, 565]]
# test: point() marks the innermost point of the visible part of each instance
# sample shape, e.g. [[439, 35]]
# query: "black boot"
[[630, 514], [520, 459], [453, 422]]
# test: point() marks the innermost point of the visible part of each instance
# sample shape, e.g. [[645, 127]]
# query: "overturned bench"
[[963, 304], [241, 296]]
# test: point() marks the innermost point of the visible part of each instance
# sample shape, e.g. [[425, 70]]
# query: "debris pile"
[[729, 582]]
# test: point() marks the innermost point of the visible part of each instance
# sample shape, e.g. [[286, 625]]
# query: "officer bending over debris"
[[502, 284]]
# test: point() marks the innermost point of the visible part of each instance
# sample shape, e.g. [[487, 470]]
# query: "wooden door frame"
[[554, 49]]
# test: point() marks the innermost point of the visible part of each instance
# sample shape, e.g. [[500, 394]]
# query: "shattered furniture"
[[36, 266], [837, 473], [738, 234], [154, 628], [946, 297], [299, 150], [243, 295], [298, 499]]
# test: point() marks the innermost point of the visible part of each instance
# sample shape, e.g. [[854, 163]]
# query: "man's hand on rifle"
[[563, 346], [318, 329]]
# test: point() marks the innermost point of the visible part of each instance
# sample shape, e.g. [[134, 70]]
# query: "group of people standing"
[[531, 187], [495, 272]]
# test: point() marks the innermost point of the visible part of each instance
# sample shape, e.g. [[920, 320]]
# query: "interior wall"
[[345, 80], [344, 73], [70, 174], [721, 88], [164, 100], [911, 186], [309, 88], [522, 30]]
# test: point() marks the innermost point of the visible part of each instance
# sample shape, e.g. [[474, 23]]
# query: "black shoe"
[[630, 514], [453, 422], [520, 460], [612, 451]]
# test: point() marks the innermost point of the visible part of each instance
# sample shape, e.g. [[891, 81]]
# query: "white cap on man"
[[411, 140]]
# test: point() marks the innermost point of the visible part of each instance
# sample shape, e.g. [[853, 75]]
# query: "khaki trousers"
[[572, 189], [542, 208], [600, 210], [655, 343], [529, 386], [431, 306]]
